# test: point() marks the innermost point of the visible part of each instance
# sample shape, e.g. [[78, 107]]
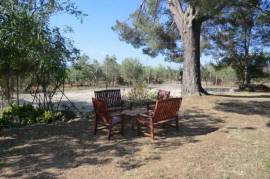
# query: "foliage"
[[17, 116], [215, 75], [131, 71], [32, 48], [90, 72], [238, 38], [111, 69], [139, 94], [152, 27], [83, 71], [147, 32], [173, 28], [256, 65], [49, 116]]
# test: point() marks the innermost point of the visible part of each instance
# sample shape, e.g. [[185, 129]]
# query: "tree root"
[[203, 92]]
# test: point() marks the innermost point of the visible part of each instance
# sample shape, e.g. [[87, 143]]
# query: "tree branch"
[[141, 8], [177, 5], [156, 8]]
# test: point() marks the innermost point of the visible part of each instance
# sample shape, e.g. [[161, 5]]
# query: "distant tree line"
[[211, 75], [89, 72], [229, 72]]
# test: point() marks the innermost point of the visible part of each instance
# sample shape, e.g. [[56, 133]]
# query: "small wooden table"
[[133, 114]]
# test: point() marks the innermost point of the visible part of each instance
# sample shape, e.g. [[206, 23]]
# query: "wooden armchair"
[[105, 119], [161, 95], [165, 111], [112, 98]]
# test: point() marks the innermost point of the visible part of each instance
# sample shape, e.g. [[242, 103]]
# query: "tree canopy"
[[30, 47], [239, 39], [176, 28]]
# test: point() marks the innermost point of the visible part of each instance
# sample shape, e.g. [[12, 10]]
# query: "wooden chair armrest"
[[144, 115], [148, 115], [144, 119]]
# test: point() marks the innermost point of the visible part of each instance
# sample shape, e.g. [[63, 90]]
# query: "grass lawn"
[[219, 137]]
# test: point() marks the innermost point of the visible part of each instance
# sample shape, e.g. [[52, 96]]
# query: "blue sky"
[[94, 36]]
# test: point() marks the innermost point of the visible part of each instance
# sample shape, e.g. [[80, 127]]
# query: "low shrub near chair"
[[140, 95], [14, 116]]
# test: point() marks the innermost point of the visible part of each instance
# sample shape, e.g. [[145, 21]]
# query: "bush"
[[140, 95], [17, 116], [49, 116], [254, 88]]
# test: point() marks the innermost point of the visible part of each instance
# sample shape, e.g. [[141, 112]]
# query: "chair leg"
[[152, 132], [95, 128], [134, 122], [109, 132], [138, 127], [122, 127], [177, 124]]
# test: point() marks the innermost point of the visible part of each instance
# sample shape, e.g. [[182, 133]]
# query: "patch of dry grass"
[[219, 137]]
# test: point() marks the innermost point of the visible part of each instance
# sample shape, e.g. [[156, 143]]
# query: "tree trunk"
[[7, 89], [247, 32], [189, 28], [246, 81], [17, 90], [191, 68]]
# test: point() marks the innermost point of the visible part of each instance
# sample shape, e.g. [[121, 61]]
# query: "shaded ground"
[[219, 137]]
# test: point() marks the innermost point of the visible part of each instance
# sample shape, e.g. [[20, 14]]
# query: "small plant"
[[17, 116], [140, 95], [49, 116]]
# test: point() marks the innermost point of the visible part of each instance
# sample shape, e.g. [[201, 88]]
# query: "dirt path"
[[219, 137]]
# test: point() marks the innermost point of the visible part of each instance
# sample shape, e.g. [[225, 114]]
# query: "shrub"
[[17, 116], [3, 123], [140, 95], [49, 116]]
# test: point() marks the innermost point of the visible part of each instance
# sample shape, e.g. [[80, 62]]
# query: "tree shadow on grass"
[[196, 122], [250, 107], [193, 122], [28, 152], [31, 151]]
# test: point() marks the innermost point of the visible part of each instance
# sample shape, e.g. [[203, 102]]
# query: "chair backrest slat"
[[110, 97], [166, 109]]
